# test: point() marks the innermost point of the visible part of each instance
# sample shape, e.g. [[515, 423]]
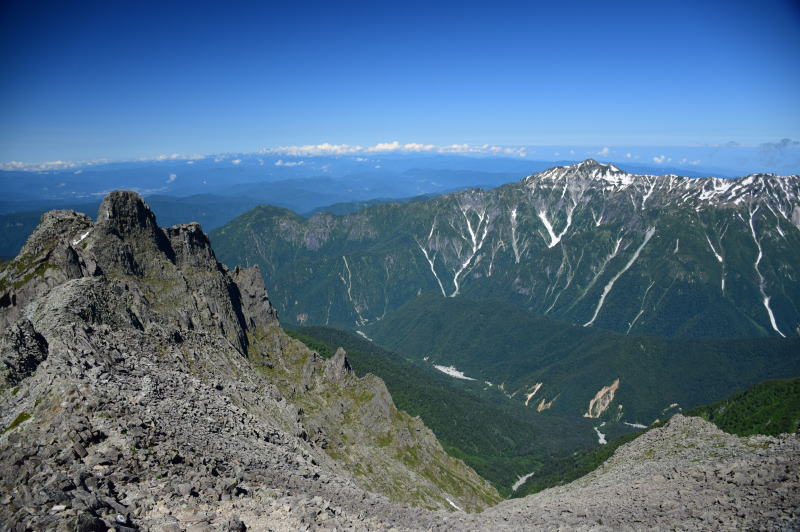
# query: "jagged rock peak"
[[338, 366], [589, 170], [53, 225], [126, 211], [593, 167]]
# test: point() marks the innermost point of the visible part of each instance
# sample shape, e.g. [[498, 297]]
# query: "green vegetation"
[[501, 439], [770, 407], [499, 342], [23, 417], [346, 270]]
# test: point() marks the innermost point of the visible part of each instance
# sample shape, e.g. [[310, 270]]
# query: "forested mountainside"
[[554, 367], [587, 243]]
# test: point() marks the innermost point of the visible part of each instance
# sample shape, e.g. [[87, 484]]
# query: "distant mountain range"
[[586, 243]]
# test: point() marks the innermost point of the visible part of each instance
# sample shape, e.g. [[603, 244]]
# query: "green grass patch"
[[20, 419]]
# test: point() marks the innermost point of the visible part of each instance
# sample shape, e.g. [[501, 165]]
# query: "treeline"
[[771, 407]]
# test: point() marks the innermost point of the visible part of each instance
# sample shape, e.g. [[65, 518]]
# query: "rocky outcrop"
[[141, 376], [602, 400], [687, 475]]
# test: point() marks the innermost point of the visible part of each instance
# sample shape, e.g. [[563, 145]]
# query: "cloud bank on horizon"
[[732, 157]]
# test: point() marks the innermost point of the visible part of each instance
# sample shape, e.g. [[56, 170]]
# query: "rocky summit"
[[145, 386]]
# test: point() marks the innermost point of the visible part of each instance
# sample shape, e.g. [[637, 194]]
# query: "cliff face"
[[139, 375]]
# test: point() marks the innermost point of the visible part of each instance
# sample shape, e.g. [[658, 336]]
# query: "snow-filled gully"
[[761, 281], [610, 285]]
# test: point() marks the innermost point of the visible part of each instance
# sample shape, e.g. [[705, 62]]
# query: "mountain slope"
[[770, 407], [137, 369], [570, 370], [497, 437], [586, 243]]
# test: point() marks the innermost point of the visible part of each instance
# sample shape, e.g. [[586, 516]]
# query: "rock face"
[[140, 378]]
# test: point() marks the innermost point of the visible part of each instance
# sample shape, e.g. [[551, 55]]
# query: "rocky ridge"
[[141, 378]]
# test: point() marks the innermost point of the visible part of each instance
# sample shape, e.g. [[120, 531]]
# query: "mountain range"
[[586, 243]]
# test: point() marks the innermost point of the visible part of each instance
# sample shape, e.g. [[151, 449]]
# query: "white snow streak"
[[714, 251], [514, 234], [364, 336], [433, 270], [348, 284], [761, 281], [610, 285], [599, 272], [719, 258], [520, 481], [635, 425], [556, 238], [649, 192], [454, 505], [476, 240], [453, 372], [601, 438], [80, 239], [641, 308]]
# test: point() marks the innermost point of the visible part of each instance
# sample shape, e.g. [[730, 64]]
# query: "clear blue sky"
[[83, 80]]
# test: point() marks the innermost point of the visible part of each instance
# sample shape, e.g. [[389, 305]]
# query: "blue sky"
[[137, 79]]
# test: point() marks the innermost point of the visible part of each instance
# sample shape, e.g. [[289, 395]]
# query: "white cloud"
[[171, 178], [172, 157], [604, 151], [396, 147], [690, 162], [236, 161], [628, 155], [48, 165], [281, 162], [661, 158]]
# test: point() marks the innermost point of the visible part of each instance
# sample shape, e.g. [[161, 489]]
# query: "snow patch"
[[520, 481], [601, 438], [453, 372], [80, 239], [364, 336], [454, 505], [635, 425]]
